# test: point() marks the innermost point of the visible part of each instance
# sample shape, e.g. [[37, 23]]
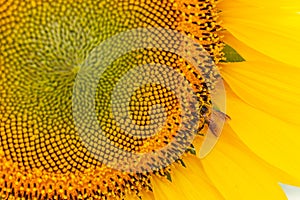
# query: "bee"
[[215, 122]]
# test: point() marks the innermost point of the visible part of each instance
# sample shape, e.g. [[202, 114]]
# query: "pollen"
[[43, 48]]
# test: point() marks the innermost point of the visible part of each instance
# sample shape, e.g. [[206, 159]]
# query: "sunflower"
[[145, 124]]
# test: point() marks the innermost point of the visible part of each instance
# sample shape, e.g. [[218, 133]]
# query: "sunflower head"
[[99, 96]]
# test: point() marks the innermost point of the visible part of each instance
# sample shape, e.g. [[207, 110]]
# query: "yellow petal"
[[272, 88], [272, 139], [245, 51], [286, 4], [131, 197], [273, 30], [281, 16], [238, 173], [163, 189], [147, 195], [190, 183]]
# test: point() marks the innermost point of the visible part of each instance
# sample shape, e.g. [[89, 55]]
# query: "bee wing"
[[216, 123]]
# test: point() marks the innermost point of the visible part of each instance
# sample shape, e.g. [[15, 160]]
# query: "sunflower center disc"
[[138, 117]]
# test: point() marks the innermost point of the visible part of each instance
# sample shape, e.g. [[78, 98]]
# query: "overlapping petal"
[[271, 28], [188, 183], [273, 139], [240, 174], [270, 87]]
